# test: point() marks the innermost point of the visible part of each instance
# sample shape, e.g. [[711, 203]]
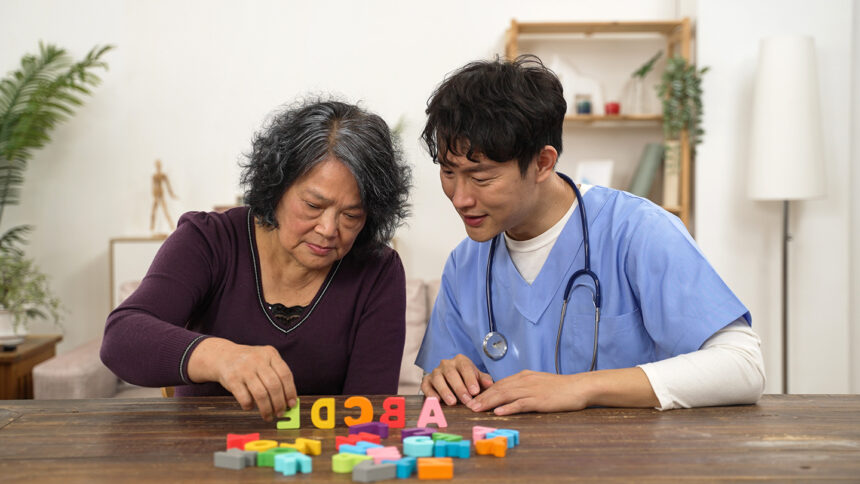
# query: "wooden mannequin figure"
[[159, 179]]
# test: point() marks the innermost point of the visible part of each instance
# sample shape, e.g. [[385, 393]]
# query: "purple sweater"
[[204, 282]]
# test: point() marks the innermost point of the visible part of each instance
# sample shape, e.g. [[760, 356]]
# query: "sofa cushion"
[[416, 323], [78, 373]]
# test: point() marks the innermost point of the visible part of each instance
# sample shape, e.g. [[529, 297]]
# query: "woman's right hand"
[[255, 375]]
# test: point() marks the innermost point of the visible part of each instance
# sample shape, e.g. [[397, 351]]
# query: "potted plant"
[[40, 94], [638, 101], [680, 89]]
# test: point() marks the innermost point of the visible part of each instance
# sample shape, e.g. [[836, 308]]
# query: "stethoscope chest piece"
[[495, 345]]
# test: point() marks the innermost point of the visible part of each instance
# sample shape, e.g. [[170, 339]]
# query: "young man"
[[647, 322]]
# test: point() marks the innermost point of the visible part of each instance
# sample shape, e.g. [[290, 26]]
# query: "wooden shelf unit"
[[678, 38]]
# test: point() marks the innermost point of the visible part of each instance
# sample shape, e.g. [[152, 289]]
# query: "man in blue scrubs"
[[670, 334]]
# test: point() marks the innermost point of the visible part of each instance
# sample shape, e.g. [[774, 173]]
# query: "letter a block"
[[431, 412]]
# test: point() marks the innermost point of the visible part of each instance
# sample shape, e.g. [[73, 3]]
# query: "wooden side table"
[[16, 367]]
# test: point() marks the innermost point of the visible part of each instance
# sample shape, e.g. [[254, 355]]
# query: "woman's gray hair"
[[301, 136]]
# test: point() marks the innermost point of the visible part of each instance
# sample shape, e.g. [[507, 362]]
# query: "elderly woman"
[[297, 292]]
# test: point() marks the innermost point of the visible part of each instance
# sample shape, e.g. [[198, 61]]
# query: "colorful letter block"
[[238, 441], [383, 453], [323, 403], [479, 432], [366, 414], [496, 446], [371, 472], [431, 412], [344, 463], [260, 445], [234, 458], [376, 428], [395, 412], [416, 431], [418, 446], [267, 458], [446, 437], [289, 464], [513, 436], [306, 446], [461, 449], [290, 418], [405, 466], [435, 468]]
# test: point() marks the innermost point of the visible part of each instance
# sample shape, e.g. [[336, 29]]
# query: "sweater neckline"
[[308, 310]]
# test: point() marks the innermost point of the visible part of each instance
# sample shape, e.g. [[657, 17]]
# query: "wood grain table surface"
[[782, 438]]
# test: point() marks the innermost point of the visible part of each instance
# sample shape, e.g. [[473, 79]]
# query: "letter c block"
[[364, 405]]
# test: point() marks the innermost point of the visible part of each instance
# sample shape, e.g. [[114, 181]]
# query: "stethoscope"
[[495, 343]]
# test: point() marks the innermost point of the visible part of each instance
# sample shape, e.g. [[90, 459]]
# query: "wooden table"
[[782, 438], [16, 367]]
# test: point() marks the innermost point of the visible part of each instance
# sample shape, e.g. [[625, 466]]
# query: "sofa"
[[79, 373]]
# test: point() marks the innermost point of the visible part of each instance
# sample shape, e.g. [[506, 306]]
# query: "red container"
[[612, 108]]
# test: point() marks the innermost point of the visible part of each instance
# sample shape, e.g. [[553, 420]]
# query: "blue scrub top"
[[661, 297]]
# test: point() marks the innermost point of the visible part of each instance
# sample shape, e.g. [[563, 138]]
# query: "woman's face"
[[320, 215]]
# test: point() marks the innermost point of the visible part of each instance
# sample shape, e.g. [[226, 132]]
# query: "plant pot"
[[9, 335]]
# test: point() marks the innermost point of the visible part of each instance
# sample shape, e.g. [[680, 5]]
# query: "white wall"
[[742, 238], [191, 80], [854, 293]]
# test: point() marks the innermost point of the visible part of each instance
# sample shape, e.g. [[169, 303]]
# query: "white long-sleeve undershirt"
[[727, 369]]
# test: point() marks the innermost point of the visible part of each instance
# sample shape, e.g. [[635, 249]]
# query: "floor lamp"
[[786, 149]]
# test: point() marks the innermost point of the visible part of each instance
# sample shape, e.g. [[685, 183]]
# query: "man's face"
[[490, 197]]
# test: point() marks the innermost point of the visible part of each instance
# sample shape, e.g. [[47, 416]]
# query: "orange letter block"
[[435, 468], [366, 414], [395, 412], [496, 446]]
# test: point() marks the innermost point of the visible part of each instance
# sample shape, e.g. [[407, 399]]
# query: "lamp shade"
[[786, 146]]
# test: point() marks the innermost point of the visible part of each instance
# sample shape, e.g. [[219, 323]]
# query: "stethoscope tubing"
[[585, 271]]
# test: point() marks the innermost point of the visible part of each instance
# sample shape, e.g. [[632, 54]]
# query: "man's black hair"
[[505, 110]]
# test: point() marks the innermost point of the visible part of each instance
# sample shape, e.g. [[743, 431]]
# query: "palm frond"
[[34, 99], [15, 237]]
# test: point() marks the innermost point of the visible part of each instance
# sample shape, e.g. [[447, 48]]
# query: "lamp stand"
[[785, 239]]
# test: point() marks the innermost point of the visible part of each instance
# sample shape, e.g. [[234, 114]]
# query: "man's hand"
[[531, 391], [255, 375], [457, 378]]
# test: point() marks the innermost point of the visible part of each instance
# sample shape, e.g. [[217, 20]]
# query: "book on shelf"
[[672, 174], [646, 170]]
